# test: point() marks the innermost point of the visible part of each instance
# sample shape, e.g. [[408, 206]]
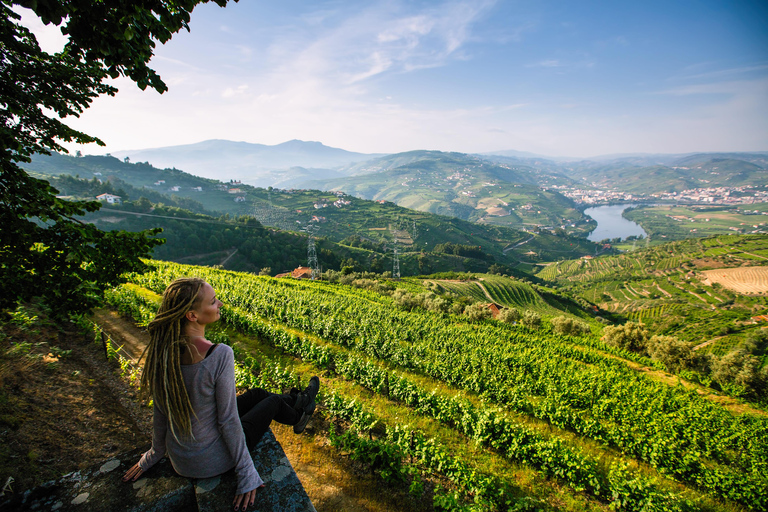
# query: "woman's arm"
[[156, 452], [159, 431], [230, 427]]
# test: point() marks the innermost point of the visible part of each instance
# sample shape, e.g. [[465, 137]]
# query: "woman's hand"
[[134, 473], [247, 498]]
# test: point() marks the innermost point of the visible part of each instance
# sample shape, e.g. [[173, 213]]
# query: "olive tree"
[[630, 336]]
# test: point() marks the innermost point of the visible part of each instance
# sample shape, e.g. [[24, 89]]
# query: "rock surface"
[[160, 489]]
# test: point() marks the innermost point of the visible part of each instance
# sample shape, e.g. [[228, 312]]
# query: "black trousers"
[[257, 408]]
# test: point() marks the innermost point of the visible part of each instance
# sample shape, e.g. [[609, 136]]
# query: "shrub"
[[741, 369], [567, 325], [477, 311], [531, 319], [508, 315], [630, 336], [676, 354]]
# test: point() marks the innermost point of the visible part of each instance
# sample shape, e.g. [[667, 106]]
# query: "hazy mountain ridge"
[[656, 174], [256, 164], [301, 164]]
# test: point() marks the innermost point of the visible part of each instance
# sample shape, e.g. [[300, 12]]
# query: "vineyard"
[[509, 292], [671, 288], [566, 413]]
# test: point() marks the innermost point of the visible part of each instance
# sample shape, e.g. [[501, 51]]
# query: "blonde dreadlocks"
[[161, 377]]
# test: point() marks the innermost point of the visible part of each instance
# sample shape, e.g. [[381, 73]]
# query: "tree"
[[508, 315], [531, 319], [676, 354], [45, 250], [630, 336], [566, 325], [477, 312]]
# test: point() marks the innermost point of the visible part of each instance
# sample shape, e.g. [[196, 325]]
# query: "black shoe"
[[306, 403], [302, 401], [311, 392], [301, 425]]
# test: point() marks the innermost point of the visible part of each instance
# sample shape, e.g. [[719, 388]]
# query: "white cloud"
[[230, 92], [49, 37]]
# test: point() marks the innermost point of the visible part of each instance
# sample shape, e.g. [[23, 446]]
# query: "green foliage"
[[508, 315], [630, 336], [677, 355], [463, 250], [531, 319], [23, 317], [45, 251], [567, 325], [741, 372], [476, 312]]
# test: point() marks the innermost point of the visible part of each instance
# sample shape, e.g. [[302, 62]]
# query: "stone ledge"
[[100, 488]]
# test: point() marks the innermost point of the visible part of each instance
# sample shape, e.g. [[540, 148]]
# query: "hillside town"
[[718, 195]]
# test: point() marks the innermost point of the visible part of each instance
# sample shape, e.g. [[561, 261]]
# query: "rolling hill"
[[379, 222], [463, 186], [673, 173]]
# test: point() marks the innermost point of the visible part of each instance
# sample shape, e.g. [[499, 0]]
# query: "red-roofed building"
[[302, 273], [495, 308]]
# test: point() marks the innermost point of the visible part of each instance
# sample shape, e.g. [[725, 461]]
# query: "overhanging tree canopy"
[[44, 249]]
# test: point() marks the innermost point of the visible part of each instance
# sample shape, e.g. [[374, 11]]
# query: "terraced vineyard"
[[509, 292], [667, 287], [414, 388]]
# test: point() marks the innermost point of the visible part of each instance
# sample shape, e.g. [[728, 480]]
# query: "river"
[[610, 223]]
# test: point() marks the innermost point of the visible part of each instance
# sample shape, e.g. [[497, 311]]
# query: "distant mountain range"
[[302, 164], [256, 164]]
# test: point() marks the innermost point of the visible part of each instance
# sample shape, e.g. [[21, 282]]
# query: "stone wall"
[[160, 489]]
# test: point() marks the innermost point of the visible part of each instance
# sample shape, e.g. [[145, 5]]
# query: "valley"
[[515, 365]]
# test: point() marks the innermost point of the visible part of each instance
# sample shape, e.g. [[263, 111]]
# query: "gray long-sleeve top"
[[219, 442]]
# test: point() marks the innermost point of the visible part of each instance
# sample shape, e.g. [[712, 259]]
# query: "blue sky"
[[558, 78]]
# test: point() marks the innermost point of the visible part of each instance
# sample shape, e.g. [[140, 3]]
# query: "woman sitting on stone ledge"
[[199, 422]]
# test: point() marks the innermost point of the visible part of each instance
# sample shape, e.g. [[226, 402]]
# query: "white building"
[[109, 198]]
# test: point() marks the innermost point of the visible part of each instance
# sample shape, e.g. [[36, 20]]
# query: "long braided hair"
[[161, 377]]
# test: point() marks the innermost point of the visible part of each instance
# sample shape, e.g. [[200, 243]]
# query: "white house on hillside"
[[109, 198]]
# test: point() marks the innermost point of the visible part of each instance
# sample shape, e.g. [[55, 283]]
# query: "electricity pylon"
[[312, 252], [395, 263]]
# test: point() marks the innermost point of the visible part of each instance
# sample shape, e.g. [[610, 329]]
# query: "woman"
[[199, 422]]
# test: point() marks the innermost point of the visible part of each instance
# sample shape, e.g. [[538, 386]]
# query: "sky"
[[555, 78]]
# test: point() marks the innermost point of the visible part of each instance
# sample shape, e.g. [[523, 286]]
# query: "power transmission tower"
[[395, 263], [312, 253]]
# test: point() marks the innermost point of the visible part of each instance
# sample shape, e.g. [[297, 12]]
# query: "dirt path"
[[707, 343], [665, 292], [755, 255], [507, 249], [225, 260], [131, 339], [488, 295]]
